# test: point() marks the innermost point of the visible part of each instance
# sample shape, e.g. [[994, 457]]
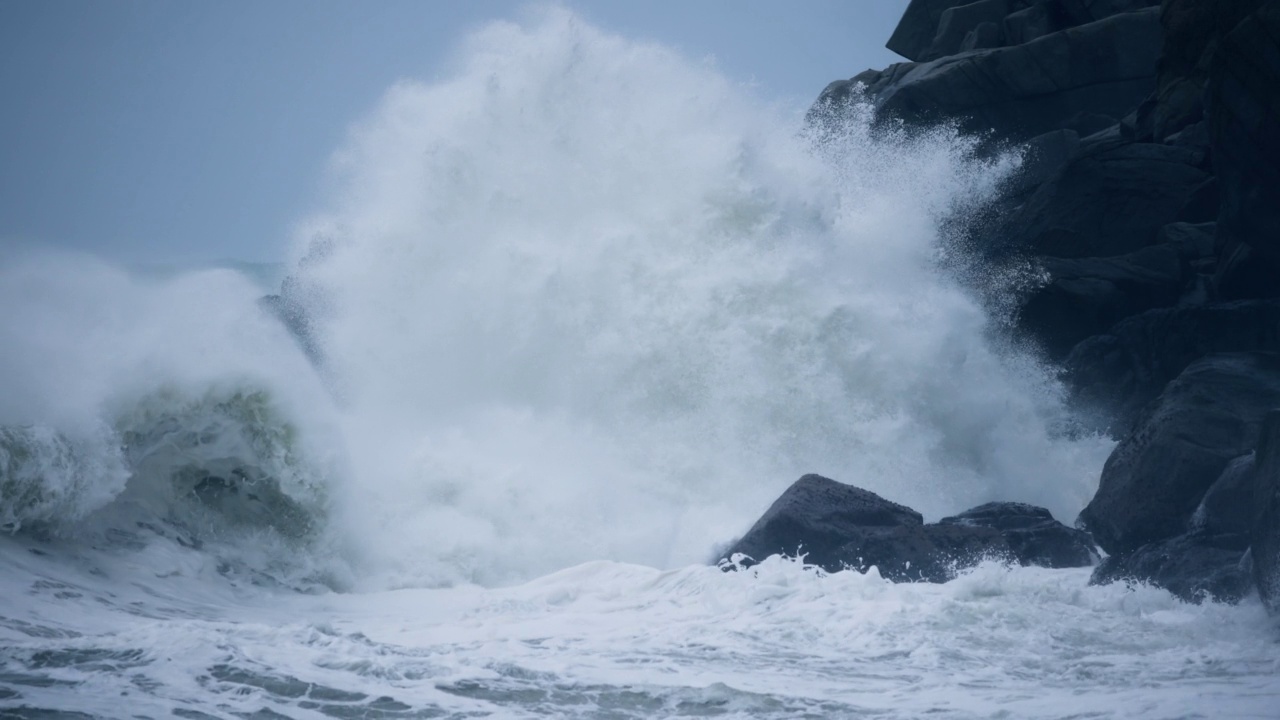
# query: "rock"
[[959, 25], [1156, 477], [1032, 534], [1086, 297], [1245, 272], [1116, 375], [1227, 507], [1192, 31], [1031, 23], [1195, 567], [1265, 501], [1195, 241], [1083, 11], [817, 515], [1244, 114], [1105, 67], [918, 26], [839, 526], [1110, 199], [1202, 204], [1042, 160]]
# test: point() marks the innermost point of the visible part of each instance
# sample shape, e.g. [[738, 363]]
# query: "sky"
[[158, 131]]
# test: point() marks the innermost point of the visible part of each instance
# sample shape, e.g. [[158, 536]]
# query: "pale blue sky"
[[176, 131]]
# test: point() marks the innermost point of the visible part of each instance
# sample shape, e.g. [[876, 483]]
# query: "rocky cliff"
[[1150, 199]]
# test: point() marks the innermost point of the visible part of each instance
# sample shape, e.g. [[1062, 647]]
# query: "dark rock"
[[958, 27], [918, 27], [1042, 160], [1202, 204], [1157, 476], [1195, 567], [1105, 67], [1116, 375], [1245, 272], [817, 515], [1244, 123], [984, 35], [1110, 199], [1193, 30], [1031, 23], [921, 553], [1265, 531], [837, 526], [1084, 11], [1195, 241], [1227, 507], [1195, 135], [1086, 123], [1032, 534], [1088, 296]]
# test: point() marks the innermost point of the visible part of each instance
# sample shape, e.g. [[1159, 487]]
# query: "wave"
[[584, 299]]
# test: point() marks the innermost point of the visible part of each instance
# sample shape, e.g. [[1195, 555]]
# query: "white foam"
[[587, 299]]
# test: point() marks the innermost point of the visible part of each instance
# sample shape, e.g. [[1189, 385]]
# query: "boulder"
[[817, 516], [1114, 376], [1086, 297], [1265, 501], [838, 527], [1105, 67], [1195, 567], [1033, 535], [1157, 476]]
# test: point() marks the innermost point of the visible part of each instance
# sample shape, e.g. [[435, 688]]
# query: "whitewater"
[[564, 325]]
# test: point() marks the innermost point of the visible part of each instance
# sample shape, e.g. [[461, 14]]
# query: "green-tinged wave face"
[[223, 461], [48, 478]]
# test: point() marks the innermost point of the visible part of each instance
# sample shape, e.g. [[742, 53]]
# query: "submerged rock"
[[838, 527]]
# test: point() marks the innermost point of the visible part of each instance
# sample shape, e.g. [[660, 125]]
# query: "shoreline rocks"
[[838, 527], [1150, 202]]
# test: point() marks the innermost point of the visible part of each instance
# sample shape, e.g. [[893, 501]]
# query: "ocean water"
[[566, 323]]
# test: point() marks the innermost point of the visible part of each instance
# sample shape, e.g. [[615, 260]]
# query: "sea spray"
[[174, 407], [588, 299], [583, 300]]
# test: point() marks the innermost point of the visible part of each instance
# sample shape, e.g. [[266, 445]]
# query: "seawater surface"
[[568, 321], [608, 639]]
